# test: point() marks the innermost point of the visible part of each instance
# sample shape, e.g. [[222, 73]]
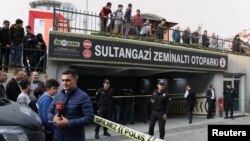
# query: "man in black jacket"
[[205, 39], [229, 95], [30, 42], [161, 103], [12, 88], [16, 39], [5, 45], [211, 98], [191, 100]]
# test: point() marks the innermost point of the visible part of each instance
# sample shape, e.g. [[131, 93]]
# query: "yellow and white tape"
[[123, 130]]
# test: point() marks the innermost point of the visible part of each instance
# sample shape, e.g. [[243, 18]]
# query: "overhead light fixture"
[[178, 79]]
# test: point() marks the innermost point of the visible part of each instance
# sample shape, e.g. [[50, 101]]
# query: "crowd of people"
[[142, 27], [24, 49], [65, 113], [113, 22], [206, 40], [43, 97]]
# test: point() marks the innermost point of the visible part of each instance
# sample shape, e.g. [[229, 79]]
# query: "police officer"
[[160, 106], [229, 95], [190, 95], [104, 99]]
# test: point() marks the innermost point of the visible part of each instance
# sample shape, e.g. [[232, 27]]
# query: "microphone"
[[59, 108]]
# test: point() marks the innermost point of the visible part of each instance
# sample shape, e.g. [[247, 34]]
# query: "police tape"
[[131, 96], [137, 96], [123, 130]]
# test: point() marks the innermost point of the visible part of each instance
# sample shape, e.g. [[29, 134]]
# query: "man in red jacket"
[[104, 16]]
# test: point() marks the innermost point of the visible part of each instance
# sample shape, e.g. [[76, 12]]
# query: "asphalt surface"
[[177, 128]]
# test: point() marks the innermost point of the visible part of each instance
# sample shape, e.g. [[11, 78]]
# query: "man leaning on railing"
[[104, 13], [5, 46], [176, 35], [16, 39]]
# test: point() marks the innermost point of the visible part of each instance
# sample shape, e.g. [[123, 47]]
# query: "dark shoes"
[[106, 134], [229, 117], [209, 117], [96, 136]]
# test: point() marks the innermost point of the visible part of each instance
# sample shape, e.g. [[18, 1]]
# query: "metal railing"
[[29, 59], [77, 21]]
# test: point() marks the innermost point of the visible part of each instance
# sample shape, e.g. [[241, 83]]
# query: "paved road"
[[177, 128]]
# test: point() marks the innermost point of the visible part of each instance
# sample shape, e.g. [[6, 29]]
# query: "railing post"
[[54, 20]]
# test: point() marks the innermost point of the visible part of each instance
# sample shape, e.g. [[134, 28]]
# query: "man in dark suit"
[[3, 79], [229, 95], [211, 98], [12, 88], [191, 100]]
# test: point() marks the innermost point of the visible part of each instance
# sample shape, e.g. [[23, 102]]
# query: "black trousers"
[[144, 112], [157, 116], [104, 112], [128, 115], [5, 53], [229, 106], [48, 136], [104, 24], [31, 55], [189, 110], [211, 103]]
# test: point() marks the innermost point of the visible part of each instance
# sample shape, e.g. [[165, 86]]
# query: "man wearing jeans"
[[128, 19], [16, 39], [137, 22], [118, 16]]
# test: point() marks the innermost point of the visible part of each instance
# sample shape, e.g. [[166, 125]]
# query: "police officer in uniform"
[[190, 95], [160, 107], [104, 99], [229, 95]]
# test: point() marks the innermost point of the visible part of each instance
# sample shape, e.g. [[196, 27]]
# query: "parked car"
[[19, 123]]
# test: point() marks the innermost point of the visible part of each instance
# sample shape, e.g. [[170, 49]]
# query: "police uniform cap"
[[162, 82], [106, 81]]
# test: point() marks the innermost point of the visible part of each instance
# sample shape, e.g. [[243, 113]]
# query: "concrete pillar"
[[55, 69], [217, 81], [242, 94], [52, 68]]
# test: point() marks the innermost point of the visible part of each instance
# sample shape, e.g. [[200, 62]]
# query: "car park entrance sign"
[[108, 50]]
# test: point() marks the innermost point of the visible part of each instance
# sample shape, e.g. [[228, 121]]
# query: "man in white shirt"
[[211, 101], [146, 29]]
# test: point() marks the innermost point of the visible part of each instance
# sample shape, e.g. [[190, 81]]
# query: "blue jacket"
[[77, 109], [176, 35], [43, 104]]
